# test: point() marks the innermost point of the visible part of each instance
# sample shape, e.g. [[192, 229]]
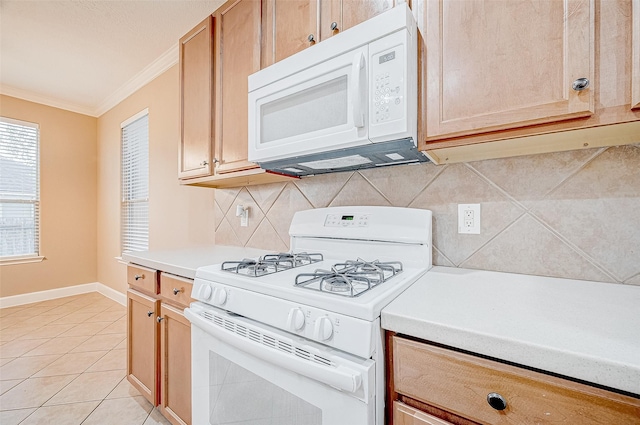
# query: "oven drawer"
[[176, 290], [461, 384], [143, 279]]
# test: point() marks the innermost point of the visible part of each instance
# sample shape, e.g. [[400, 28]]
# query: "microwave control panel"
[[388, 84], [347, 220]]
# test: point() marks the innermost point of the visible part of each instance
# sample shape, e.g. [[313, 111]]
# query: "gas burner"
[[270, 263], [351, 278]]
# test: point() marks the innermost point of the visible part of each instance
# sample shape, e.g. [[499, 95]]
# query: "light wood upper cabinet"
[[340, 15], [237, 56], [287, 27], [635, 61], [494, 65], [196, 97]]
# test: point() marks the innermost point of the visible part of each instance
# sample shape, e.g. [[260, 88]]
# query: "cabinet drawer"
[[143, 278], [176, 290], [407, 415], [460, 383]]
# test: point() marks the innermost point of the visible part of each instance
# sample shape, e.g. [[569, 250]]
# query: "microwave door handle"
[[359, 79]]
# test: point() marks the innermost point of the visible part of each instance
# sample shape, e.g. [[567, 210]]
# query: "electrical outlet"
[[469, 219]]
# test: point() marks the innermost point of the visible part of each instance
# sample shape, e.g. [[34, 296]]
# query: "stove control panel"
[[347, 220]]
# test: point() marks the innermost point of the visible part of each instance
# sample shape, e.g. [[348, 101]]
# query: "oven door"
[[245, 373]]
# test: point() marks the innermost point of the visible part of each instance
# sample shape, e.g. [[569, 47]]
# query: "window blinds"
[[135, 184], [19, 188]]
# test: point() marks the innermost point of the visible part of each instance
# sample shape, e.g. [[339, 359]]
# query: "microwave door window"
[[315, 109]]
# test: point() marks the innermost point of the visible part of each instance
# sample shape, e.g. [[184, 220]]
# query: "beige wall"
[[179, 216], [68, 200], [567, 214]]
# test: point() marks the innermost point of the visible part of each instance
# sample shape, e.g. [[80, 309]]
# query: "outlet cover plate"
[[469, 219]]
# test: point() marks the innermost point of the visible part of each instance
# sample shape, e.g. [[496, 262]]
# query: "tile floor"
[[63, 362]]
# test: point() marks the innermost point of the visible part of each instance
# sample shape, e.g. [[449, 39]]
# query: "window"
[[19, 190], [135, 183]]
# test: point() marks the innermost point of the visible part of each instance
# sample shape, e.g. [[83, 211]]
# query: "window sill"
[[20, 259]]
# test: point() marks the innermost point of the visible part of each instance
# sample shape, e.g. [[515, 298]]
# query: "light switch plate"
[[469, 219]]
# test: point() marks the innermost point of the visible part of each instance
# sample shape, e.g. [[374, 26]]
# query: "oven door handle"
[[340, 377]]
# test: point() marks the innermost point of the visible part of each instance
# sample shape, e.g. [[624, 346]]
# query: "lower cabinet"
[[434, 385], [159, 342]]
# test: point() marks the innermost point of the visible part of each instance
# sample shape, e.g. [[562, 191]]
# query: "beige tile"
[[47, 331], [457, 184], [74, 318], [528, 247], [54, 302], [225, 234], [266, 237], [8, 311], [218, 215], [255, 216], [123, 389], [439, 259], [119, 411], [7, 385], [32, 311], [18, 347], [42, 320], [88, 386], [59, 345], [119, 326], [122, 345], [5, 361], [94, 308], [16, 331], [24, 367], [359, 191], [225, 198], [7, 321], [64, 309], [33, 392], [282, 211], [100, 343], [320, 190], [117, 307], [266, 194], [401, 184], [68, 414], [113, 360], [14, 417], [86, 329], [70, 363], [156, 418], [108, 315]]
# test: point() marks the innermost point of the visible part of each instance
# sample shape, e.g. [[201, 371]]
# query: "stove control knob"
[[323, 329], [219, 297], [295, 321], [205, 292]]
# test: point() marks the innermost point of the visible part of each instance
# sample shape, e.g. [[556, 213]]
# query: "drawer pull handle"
[[149, 313], [496, 401], [138, 276], [176, 291]]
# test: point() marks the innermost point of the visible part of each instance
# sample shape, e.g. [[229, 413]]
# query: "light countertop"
[[184, 262], [585, 330]]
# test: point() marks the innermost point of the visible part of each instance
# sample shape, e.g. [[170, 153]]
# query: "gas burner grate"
[[351, 278], [270, 263]]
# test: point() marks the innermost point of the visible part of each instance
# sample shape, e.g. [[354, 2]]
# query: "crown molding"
[[45, 100]]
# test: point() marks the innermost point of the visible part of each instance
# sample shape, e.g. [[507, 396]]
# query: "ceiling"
[[86, 55]]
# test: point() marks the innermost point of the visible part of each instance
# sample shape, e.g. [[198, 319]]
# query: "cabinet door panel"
[[348, 13], [287, 26], [142, 344], [175, 366], [196, 108], [635, 64], [494, 65], [238, 56]]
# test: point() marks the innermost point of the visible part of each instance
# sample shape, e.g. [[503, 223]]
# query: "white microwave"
[[347, 103]]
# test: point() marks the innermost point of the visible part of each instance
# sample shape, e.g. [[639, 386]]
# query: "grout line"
[[278, 234], [575, 171], [303, 195], [633, 276], [442, 169], [353, 173], [272, 204], [376, 189], [442, 254]]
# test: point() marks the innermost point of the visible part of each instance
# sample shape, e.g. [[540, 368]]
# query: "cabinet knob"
[[496, 401], [215, 160], [204, 163], [176, 291], [334, 26], [138, 276], [149, 313], [311, 38], [580, 84], [159, 319]]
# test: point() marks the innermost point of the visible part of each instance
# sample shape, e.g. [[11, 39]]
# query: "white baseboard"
[[67, 291]]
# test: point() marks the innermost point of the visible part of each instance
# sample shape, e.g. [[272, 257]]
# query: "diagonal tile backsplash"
[[566, 214]]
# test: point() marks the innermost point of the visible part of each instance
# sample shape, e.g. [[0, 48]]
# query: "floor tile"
[[47, 331], [73, 318], [124, 389], [5, 361], [42, 320], [119, 326], [16, 331], [122, 345], [113, 360], [88, 387], [24, 367], [88, 329], [70, 363], [107, 316], [5, 322], [33, 392], [156, 418], [119, 411], [18, 347], [32, 311], [7, 385], [14, 417], [63, 309], [59, 345], [67, 414], [100, 342]]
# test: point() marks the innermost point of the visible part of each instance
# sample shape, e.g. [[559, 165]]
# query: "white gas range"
[[295, 338]]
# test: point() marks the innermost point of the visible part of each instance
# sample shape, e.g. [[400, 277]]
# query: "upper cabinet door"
[[339, 15], [494, 65], [196, 97], [635, 61], [237, 56], [289, 25]]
